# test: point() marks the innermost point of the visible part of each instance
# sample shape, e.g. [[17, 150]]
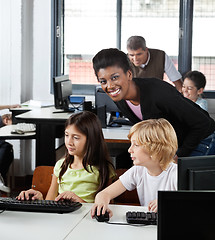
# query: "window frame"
[[57, 45], [185, 41], [57, 39]]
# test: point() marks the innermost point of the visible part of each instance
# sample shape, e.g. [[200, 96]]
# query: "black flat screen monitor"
[[186, 215], [196, 173], [102, 99], [62, 91]]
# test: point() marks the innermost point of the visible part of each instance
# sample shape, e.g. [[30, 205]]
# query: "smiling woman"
[[115, 76], [116, 83], [150, 98]]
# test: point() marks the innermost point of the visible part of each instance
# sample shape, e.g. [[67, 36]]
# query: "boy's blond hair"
[[158, 137]]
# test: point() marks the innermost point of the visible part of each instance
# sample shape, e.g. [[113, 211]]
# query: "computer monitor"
[[196, 173], [102, 99], [186, 215], [62, 92], [104, 104]]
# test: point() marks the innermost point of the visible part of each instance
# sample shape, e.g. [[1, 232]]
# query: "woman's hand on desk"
[[69, 195], [30, 194]]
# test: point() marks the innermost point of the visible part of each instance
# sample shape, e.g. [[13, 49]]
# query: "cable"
[[3, 210], [128, 224]]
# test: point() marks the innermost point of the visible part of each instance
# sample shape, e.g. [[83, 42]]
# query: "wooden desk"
[[77, 225], [50, 124]]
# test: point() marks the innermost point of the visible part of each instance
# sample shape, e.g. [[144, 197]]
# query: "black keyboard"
[[148, 218], [48, 206]]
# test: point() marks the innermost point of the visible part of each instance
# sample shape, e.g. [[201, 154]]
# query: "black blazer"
[[159, 99]]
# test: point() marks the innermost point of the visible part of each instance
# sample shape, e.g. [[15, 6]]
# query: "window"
[[89, 26], [153, 20], [203, 40]]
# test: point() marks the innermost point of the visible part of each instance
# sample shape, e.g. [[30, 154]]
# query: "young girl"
[[193, 86], [86, 168], [153, 146]]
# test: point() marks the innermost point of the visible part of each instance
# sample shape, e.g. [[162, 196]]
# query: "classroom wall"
[[10, 42], [42, 50], [25, 62]]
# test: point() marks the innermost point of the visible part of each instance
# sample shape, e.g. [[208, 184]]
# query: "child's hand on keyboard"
[[30, 194], [153, 205], [69, 195]]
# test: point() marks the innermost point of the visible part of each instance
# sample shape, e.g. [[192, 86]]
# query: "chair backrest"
[[42, 179], [128, 197]]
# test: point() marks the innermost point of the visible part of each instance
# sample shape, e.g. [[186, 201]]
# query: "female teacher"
[[150, 98]]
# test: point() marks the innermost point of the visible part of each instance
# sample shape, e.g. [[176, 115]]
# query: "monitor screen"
[[186, 215], [196, 173], [62, 91], [102, 99]]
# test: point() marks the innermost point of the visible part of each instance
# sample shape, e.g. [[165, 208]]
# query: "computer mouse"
[[102, 217], [17, 131]]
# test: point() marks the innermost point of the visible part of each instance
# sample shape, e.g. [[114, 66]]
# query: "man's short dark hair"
[[136, 42]]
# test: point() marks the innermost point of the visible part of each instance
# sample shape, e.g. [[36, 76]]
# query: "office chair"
[[42, 177], [128, 197]]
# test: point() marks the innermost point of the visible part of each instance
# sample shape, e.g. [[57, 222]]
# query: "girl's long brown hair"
[[96, 149]]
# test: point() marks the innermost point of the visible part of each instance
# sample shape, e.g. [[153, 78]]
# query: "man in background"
[[147, 62]]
